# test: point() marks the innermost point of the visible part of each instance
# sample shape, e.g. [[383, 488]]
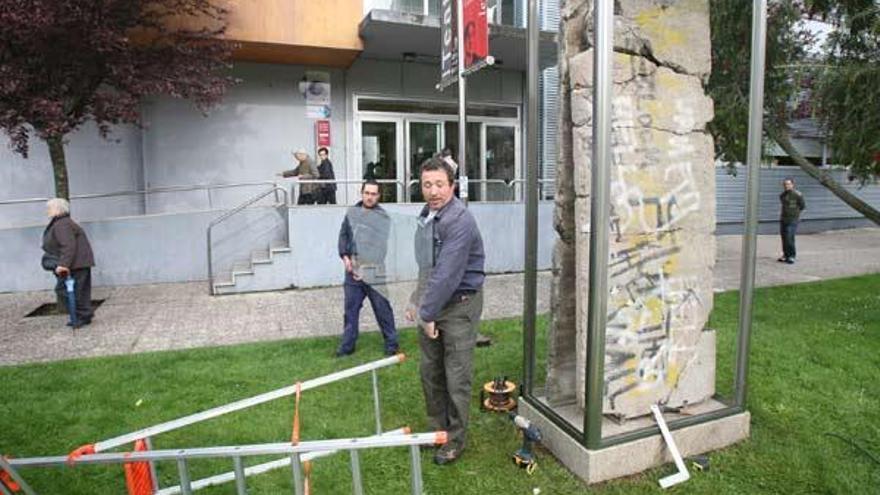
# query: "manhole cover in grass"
[[52, 309]]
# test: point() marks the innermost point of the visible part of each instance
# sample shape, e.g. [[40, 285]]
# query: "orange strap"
[[86, 449], [6, 480], [307, 469], [138, 479], [294, 438]]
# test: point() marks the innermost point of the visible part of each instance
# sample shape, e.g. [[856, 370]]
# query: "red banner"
[[476, 32], [322, 133]]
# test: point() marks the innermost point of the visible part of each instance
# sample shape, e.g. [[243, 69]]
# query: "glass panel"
[[379, 155], [500, 162], [424, 142], [409, 6], [473, 155], [434, 7]]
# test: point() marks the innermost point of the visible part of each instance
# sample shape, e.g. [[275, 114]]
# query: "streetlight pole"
[[462, 103]]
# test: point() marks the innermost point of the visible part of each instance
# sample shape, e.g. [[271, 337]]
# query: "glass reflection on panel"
[[473, 155], [424, 139], [379, 156], [500, 162]]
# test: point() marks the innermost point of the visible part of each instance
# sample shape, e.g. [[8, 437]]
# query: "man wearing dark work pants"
[[447, 304]]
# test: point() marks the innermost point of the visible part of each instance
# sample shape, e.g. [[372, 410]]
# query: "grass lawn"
[[815, 370]]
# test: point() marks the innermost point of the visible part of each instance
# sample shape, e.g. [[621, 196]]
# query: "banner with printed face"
[[476, 32]]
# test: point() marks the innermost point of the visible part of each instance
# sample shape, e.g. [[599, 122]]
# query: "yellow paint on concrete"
[[655, 307], [650, 21], [673, 370]]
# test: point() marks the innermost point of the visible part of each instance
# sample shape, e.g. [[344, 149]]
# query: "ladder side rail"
[[154, 430]]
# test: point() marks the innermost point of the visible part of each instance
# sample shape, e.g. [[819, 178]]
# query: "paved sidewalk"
[[178, 316]]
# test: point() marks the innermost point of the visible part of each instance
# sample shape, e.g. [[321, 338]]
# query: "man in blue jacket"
[[363, 245], [447, 304]]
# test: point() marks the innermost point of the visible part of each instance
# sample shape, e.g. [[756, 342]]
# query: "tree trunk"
[[823, 177], [59, 166]]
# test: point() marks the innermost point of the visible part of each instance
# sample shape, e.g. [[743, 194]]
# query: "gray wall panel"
[[821, 203], [94, 165], [172, 248], [248, 138]]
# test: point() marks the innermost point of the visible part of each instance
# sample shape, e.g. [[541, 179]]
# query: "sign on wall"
[[322, 133], [316, 89]]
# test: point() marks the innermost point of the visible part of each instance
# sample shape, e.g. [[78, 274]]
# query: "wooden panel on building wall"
[[274, 53], [311, 23]]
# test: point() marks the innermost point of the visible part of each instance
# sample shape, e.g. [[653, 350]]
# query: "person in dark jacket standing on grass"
[[363, 247], [792, 205], [67, 242], [447, 304]]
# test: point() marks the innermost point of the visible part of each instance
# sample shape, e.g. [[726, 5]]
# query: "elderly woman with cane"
[[68, 255]]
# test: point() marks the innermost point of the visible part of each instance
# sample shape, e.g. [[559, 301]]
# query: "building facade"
[[364, 72], [359, 76]]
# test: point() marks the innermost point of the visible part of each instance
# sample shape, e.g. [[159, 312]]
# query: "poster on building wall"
[[322, 133], [316, 89], [476, 32]]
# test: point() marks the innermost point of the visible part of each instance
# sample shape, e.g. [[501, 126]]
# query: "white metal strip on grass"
[[682, 475]]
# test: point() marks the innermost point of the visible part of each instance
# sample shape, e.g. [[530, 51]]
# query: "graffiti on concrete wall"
[[651, 298]]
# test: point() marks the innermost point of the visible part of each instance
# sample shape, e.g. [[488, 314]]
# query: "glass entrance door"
[[501, 163], [473, 151], [425, 140], [380, 149]]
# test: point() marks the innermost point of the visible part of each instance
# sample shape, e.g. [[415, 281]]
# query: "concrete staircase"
[[267, 269]]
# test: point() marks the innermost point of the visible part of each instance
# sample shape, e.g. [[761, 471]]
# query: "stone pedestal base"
[[594, 466]]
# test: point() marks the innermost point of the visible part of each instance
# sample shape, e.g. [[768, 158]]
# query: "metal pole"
[[298, 487], [210, 266], [185, 485], [749, 245], [357, 484], [599, 214], [462, 103], [5, 466], [240, 483], [153, 473], [530, 294], [416, 470], [376, 405]]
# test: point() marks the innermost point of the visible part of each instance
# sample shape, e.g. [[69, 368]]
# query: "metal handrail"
[[507, 183], [139, 192], [210, 187], [225, 216]]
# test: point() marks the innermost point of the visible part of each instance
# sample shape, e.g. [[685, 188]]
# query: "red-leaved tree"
[[64, 62]]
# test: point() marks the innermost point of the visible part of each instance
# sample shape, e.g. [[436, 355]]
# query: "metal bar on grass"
[[265, 467], [357, 484]]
